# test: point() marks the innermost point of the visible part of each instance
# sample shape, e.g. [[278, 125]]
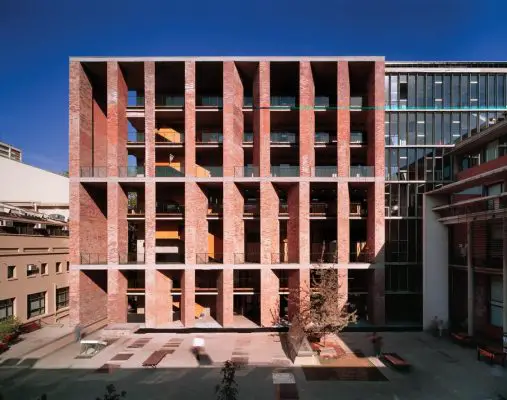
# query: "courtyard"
[[440, 370]]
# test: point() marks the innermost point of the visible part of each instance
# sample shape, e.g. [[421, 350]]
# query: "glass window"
[[386, 90], [393, 128], [429, 91], [428, 164], [62, 298], [455, 127], [6, 309], [482, 91], [394, 91], [473, 123], [394, 164], [411, 162], [496, 302], [420, 91], [455, 91], [447, 91], [402, 127], [44, 268], [411, 91], [58, 267], [500, 91], [429, 128], [68, 266], [465, 91], [420, 128], [491, 152], [411, 129], [464, 124], [36, 304], [420, 165], [31, 270], [403, 164], [446, 128], [11, 272], [491, 91], [474, 91], [438, 128], [483, 121], [439, 164]]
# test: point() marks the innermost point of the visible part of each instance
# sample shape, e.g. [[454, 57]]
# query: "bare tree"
[[227, 389], [320, 306]]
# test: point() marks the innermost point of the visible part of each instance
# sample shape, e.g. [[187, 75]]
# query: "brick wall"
[[270, 299], [306, 119], [270, 226], [225, 304], [190, 118], [261, 122]]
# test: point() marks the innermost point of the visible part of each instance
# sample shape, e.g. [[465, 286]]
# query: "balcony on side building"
[[284, 171]]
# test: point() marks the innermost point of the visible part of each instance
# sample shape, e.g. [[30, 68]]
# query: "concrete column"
[[150, 199], [196, 224], [233, 126], [187, 304], [470, 281], [116, 140], [158, 299], [225, 300], [299, 287], [117, 224], [116, 296], [270, 226], [261, 122], [190, 118], [234, 226], [306, 119], [149, 117], [270, 298]]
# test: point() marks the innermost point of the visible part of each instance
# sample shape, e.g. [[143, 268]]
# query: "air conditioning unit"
[[32, 267], [7, 223]]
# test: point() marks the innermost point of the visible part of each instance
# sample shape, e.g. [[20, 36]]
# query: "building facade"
[[217, 185], [465, 238], [34, 248], [214, 186], [11, 152]]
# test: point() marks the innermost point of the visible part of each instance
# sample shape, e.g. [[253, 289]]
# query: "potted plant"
[[9, 330]]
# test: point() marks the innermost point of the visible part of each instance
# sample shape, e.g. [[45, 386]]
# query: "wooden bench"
[[154, 359], [462, 338], [395, 361], [490, 354]]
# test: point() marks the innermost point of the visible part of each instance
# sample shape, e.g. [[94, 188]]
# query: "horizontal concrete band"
[[179, 267], [231, 179]]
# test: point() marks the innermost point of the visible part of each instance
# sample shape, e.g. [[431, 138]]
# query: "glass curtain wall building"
[[429, 106]]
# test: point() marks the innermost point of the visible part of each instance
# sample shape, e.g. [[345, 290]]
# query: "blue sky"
[[38, 36]]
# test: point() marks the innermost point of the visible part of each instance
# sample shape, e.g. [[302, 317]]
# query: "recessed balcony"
[[285, 171], [247, 258], [248, 171], [325, 171], [93, 258], [131, 258], [93, 172], [361, 171], [169, 172], [283, 101], [135, 138], [208, 171], [209, 101], [209, 258], [169, 101], [283, 138], [131, 171]]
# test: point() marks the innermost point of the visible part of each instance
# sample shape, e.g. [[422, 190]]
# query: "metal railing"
[[360, 171], [169, 137], [209, 138], [93, 172], [242, 258], [135, 137], [131, 171], [283, 137], [246, 171], [285, 171], [209, 258], [251, 209], [321, 101], [279, 258], [163, 100], [165, 172], [248, 101], [356, 102], [131, 258], [283, 209], [357, 137], [324, 257], [248, 137], [208, 171], [319, 208], [169, 208], [325, 171], [324, 137], [357, 210], [137, 210], [93, 258], [362, 257], [210, 101], [215, 209], [283, 101], [134, 100]]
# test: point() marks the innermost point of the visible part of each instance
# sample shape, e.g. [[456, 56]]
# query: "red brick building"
[[213, 186], [465, 267]]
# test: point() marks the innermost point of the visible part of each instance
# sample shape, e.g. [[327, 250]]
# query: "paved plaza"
[[441, 370]]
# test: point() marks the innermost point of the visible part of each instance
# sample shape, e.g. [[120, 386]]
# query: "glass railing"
[[251, 209], [323, 137], [321, 101], [134, 100], [283, 137], [130, 171], [361, 171], [169, 208], [283, 101], [169, 101], [165, 172], [210, 137], [175, 138], [210, 101], [246, 172], [356, 103], [208, 172], [93, 258], [135, 137], [248, 137], [325, 171], [285, 171], [93, 172], [357, 137], [248, 101], [209, 258]]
